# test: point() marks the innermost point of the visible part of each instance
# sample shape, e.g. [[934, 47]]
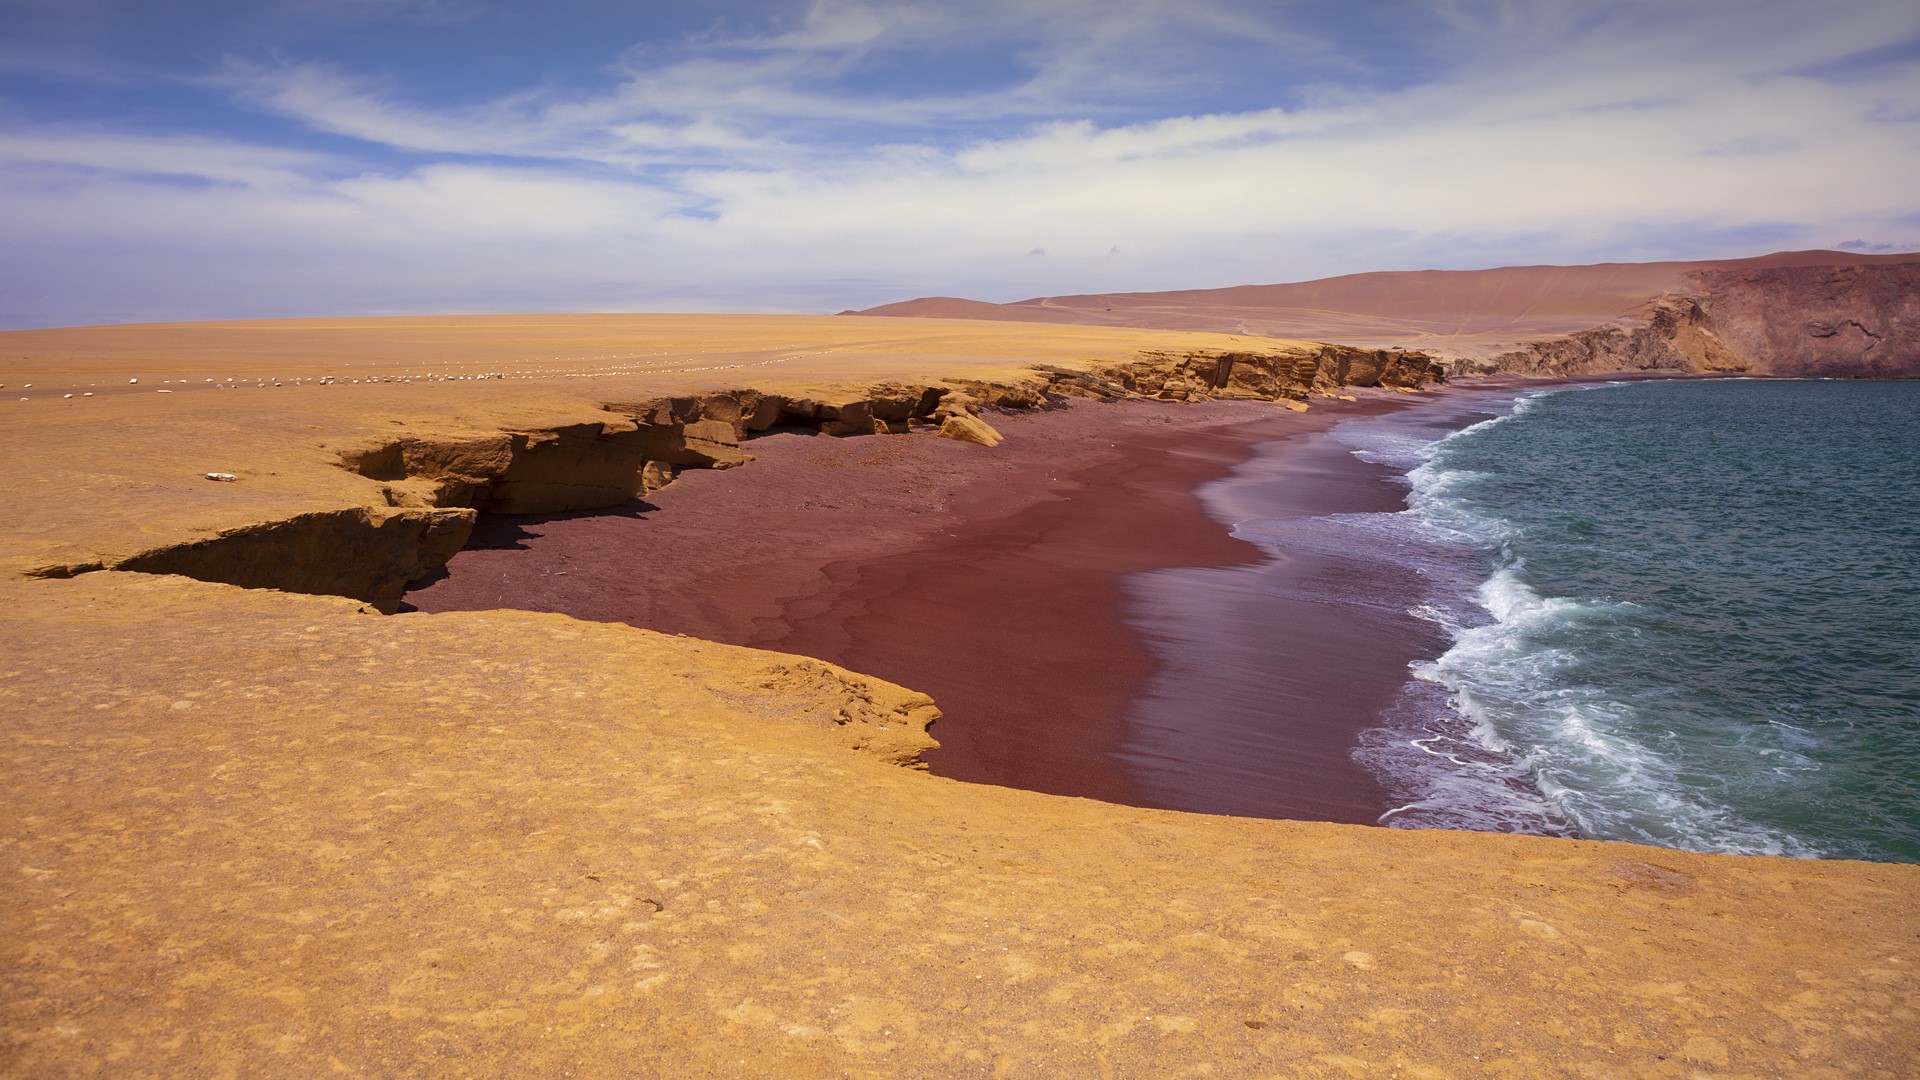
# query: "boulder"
[[970, 429]]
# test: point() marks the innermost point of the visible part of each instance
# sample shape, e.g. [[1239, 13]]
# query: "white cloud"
[[218, 161], [744, 173], [332, 101], [503, 205], [769, 90]]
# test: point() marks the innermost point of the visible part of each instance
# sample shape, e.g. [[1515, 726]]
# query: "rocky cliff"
[[1851, 321], [1847, 321], [1263, 376], [423, 491]]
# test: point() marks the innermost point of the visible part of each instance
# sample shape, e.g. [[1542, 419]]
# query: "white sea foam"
[[1503, 731]]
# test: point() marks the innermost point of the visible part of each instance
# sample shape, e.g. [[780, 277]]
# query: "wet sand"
[[1269, 670], [1086, 624]]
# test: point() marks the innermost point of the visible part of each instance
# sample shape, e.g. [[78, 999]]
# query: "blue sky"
[[226, 159]]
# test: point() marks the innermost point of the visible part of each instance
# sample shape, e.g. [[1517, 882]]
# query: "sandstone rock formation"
[[1676, 335], [970, 429], [1269, 377]]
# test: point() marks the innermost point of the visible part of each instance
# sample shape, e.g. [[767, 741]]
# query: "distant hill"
[[1485, 319]]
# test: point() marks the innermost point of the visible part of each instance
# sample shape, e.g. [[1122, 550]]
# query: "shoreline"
[[1038, 695], [1074, 600], [1303, 653], [1271, 670], [1005, 584]]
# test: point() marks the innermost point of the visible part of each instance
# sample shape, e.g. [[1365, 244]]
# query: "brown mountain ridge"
[[1788, 313]]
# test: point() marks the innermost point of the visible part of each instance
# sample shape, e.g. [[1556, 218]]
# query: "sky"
[[172, 160]]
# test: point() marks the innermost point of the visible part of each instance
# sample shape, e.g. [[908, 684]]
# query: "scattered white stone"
[[66, 395], [225, 477], [133, 382], [87, 394], [163, 391]]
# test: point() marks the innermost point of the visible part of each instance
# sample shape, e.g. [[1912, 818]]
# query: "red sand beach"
[[1008, 584]]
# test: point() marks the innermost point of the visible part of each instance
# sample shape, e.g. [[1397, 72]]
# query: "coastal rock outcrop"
[[1844, 321], [527, 472], [1269, 376], [1854, 321], [1677, 335]]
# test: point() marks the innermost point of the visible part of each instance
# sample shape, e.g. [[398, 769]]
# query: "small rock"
[[222, 476], [970, 429]]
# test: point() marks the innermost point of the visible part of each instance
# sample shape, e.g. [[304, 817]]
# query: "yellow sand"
[[251, 833]]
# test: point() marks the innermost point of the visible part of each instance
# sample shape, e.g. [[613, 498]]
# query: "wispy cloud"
[[328, 99], [364, 12], [214, 161], [844, 153]]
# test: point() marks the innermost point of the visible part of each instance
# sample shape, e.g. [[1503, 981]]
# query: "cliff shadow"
[[510, 532]]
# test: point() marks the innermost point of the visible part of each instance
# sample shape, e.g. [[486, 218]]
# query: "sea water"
[[1680, 613]]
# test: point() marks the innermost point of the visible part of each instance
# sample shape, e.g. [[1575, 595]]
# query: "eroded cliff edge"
[[424, 491], [1850, 321]]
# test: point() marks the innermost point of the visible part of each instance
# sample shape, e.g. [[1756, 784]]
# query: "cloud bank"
[[312, 159]]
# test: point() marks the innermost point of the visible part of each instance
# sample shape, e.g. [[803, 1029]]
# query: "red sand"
[[997, 581]]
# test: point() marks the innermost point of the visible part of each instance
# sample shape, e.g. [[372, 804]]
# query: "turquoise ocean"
[[1684, 613]]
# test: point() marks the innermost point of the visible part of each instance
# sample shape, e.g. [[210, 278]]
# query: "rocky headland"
[[1806, 313], [258, 827]]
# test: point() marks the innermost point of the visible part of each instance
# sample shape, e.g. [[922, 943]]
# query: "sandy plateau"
[[259, 831]]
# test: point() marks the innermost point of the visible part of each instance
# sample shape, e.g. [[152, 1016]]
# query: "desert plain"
[[257, 826]]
